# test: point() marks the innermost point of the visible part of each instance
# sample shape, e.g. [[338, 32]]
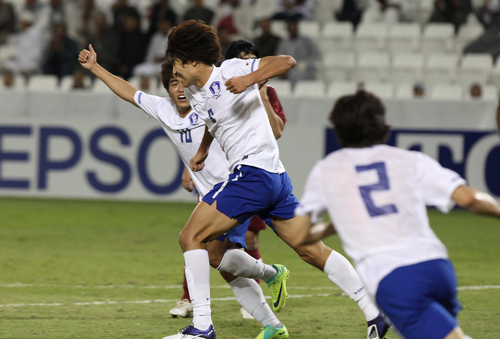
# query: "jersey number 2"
[[381, 185]]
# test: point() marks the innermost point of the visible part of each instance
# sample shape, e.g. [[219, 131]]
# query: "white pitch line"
[[110, 302], [144, 287], [484, 287], [293, 296], [311, 288]]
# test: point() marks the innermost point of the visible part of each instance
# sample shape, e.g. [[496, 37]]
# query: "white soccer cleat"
[[183, 309], [191, 332], [245, 314]]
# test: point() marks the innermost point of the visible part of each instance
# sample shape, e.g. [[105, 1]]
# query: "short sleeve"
[[275, 103], [313, 201], [438, 183], [239, 67], [148, 103]]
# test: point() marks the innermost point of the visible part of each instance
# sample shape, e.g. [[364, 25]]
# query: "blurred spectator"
[[35, 7], [144, 84], [156, 51], [78, 80], [160, 10], [105, 41], [294, 10], [57, 14], [131, 48], [351, 11], [199, 12], [304, 50], [418, 90], [224, 39], [475, 91], [452, 11], [121, 11], [7, 21], [87, 21], [387, 11], [267, 42], [237, 17], [62, 54], [8, 80], [489, 42], [28, 44]]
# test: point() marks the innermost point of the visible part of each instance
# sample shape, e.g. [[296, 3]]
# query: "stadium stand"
[[373, 67], [438, 38], [337, 89], [404, 37], [475, 68], [407, 67], [309, 89], [380, 51]]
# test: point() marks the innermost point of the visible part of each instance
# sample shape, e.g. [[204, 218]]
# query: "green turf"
[[68, 251]]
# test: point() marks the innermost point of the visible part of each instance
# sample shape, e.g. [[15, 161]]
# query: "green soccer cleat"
[[270, 332], [277, 288]]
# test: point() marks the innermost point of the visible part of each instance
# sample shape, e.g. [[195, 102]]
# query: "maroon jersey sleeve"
[[275, 102]]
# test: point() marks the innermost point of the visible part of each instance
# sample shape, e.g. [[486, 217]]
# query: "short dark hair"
[[166, 74], [239, 46], [192, 41], [359, 120]]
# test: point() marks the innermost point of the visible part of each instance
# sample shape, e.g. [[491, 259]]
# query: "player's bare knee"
[[312, 254], [215, 259]]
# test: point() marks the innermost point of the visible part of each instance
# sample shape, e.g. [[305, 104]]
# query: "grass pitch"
[[113, 270]]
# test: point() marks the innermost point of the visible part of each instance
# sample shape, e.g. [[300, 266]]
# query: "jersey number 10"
[[381, 185], [186, 134]]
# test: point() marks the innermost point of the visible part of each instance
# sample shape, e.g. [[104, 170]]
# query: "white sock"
[[198, 280], [241, 264], [342, 274], [250, 296]]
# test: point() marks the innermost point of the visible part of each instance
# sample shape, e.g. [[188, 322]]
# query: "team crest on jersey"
[[193, 118], [215, 89]]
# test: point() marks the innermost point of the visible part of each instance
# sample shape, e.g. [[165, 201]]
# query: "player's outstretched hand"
[[198, 161], [238, 84], [88, 58]]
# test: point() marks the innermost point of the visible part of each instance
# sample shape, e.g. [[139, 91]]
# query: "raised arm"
[[308, 233], [476, 201], [198, 161], [277, 124], [269, 67], [88, 59]]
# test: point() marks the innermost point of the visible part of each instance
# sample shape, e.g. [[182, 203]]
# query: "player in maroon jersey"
[[242, 49]]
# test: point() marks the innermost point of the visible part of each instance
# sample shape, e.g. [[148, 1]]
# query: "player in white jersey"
[[186, 130], [227, 98], [376, 196]]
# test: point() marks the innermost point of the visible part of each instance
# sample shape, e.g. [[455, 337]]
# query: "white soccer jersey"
[[376, 198], [186, 134], [238, 121]]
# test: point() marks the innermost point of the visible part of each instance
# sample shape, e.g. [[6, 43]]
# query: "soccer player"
[[241, 49], [185, 130], [227, 98], [376, 196]]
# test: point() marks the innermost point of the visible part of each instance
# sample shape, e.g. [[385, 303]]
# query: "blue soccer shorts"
[[249, 191], [421, 300], [237, 234]]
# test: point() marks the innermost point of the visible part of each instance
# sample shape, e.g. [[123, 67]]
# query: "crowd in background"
[[45, 37]]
